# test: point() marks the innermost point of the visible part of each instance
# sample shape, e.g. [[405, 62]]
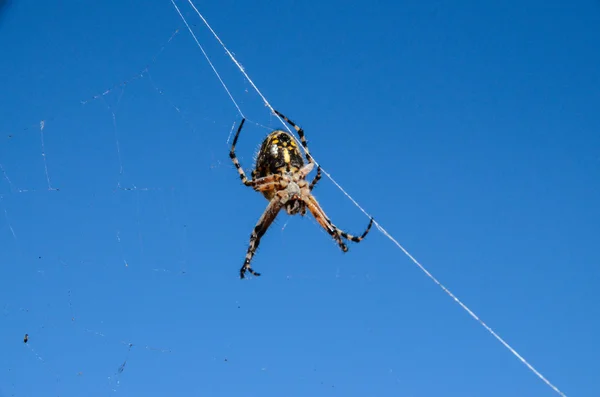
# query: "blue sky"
[[470, 131]]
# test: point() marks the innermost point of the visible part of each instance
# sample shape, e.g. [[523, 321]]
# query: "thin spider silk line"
[[379, 227], [208, 59]]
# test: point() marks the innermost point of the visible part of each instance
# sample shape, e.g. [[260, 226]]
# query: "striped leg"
[[317, 178], [334, 231], [354, 238], [233, 157], [269, 180], [268, 187], [325, 223], [259, 230], [300, 133]]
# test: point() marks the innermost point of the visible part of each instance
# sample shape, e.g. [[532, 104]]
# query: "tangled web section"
[[379, 227]]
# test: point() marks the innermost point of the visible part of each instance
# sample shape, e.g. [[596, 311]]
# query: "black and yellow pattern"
[[278, 154], [280, 175]]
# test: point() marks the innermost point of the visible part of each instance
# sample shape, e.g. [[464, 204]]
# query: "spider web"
[[75, 288], [98, 222]]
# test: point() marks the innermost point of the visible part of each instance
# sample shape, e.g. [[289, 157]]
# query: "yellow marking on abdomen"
[[286, 156]]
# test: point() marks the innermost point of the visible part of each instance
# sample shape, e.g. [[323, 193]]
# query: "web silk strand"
[[208, 59]]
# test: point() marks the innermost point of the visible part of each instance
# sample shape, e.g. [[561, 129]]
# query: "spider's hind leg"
[[320, 216], [351, 237], [333, 230]]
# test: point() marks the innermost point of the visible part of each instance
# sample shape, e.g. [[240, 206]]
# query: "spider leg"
[[259, 230], [325, 223], [305, 170], [317, 178], [236, 162], [334, 231], [270, 180], [300, 133], [354, 238], [264, 187]]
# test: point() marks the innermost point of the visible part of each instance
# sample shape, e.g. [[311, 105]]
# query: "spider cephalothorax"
[[280, 175]]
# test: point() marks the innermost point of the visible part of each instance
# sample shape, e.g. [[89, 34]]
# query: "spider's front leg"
[[317, 178], [259, 230], [235, 160]]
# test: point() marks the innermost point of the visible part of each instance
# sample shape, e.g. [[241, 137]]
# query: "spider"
[[280, 175]]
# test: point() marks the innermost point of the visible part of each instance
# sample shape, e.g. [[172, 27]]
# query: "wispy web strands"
[[381, 229], [208, 59]]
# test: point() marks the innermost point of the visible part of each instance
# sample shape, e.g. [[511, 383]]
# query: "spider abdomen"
[[278, 154]]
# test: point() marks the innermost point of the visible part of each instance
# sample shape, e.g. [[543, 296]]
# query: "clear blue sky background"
[[471, 132]]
